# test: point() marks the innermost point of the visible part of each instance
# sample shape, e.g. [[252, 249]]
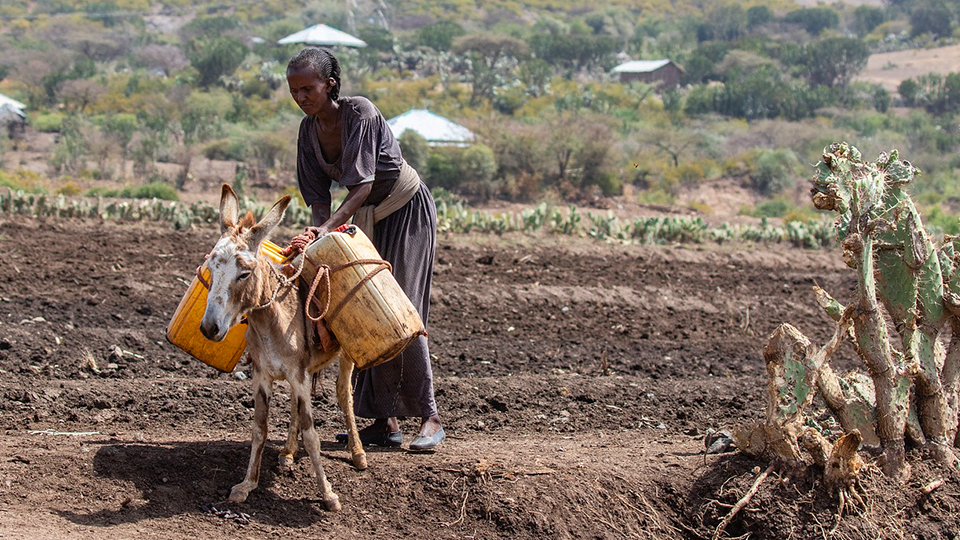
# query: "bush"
[[814, 20], [775, 171], [415, 150], [215, 57], [225, 149], [153, 190], [48, 122], [933, 20], [772, 208]]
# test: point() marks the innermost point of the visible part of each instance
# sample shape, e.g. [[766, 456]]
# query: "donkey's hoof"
[[239, 493], [360, 461], [332, 503], [285, 462]]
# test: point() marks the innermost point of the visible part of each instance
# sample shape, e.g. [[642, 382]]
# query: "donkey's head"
[[237, 280]]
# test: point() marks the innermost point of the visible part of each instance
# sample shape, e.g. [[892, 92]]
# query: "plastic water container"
[[378, 321], [184, 328]]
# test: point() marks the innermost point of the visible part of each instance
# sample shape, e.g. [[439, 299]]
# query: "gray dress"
[[407, 239]]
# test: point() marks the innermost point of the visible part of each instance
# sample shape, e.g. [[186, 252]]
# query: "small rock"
[[113, 365], [717, 442], [240, 375]]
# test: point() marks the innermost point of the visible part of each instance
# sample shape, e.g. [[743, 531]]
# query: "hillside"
[[890, 68]]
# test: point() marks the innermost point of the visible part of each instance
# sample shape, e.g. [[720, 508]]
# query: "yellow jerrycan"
[[365, 308], [184, 328]]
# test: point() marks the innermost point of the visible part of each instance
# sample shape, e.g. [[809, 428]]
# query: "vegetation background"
[[129, 98]]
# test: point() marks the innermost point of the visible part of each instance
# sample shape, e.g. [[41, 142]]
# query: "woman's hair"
[[320, 61]]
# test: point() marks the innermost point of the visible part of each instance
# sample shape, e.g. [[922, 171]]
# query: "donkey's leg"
[[300, 393], [293, 435], [262, 390], [345, 396]]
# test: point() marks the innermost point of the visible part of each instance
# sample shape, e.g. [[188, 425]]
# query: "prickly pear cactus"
[[909, 389]]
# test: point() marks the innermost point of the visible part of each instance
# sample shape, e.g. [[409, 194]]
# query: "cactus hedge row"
[[452, 218]]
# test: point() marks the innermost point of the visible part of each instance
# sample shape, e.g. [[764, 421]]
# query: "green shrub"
[[772, 208], [775, 170], [415, 149], [22, 180], [47, 122], [225, 149], [153, 190]]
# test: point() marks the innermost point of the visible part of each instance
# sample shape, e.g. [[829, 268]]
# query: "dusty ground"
[[544, 443], [889, 69]]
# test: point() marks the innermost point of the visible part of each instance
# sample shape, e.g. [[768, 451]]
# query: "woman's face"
[[309, 91]]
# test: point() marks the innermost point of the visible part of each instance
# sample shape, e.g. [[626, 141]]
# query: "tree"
[[439, 36], [725, 23], [908, 90], [814, 20], [866, 18], [758, 16], [931, 19], [487, 54], [167, 59], [573, 52], [215, 57], [77, 94], [834, 62], [701, 65]]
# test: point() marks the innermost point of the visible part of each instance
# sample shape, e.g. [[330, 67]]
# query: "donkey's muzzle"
[[210, 331]]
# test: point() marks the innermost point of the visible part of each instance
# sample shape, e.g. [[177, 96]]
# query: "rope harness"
[[324, 272], [282, 281]]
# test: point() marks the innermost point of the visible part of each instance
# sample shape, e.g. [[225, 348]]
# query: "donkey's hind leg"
[[285, 459], [262, 390], [300, 394], [345, 396]]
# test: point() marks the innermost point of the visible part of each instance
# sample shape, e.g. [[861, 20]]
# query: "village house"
[[660, 73]]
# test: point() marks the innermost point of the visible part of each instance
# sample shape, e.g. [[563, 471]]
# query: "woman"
[[347, 140]]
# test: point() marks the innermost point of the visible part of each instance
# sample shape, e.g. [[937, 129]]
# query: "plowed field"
[[576, 381]]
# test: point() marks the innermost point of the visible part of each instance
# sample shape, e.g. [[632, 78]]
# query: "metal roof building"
[[322, 35], [664, 73], [437, 130]]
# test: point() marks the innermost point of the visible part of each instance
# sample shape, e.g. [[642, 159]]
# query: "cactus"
[[900, 271]]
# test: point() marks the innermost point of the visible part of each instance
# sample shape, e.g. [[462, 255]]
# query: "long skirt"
[[403, 387]]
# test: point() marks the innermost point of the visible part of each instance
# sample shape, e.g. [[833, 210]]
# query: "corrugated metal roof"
[[436, 129], [640, 66], [4, 100], [323, 35]]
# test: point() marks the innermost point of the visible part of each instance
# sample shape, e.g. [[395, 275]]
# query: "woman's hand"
[[318, 231], [304, 239]]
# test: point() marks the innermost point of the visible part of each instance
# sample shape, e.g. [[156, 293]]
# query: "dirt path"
[[576, 380]]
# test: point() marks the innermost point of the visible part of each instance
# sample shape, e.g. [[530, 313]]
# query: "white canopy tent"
[[437, 130], [322, 35]]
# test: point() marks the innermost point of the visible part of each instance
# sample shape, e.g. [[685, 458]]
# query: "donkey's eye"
[[243, 275]]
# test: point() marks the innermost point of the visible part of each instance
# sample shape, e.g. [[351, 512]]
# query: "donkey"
[[280, 340]]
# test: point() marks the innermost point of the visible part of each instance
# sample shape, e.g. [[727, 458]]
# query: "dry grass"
[[888, 69]]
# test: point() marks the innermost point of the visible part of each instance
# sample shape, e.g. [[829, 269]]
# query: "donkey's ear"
[[260, 231], [229, 209]]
